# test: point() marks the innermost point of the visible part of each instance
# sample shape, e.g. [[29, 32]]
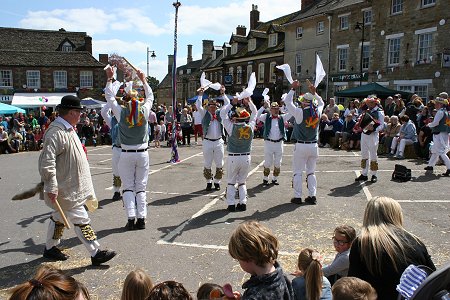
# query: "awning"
[[9, 109], [92, 103], [194, 99], [38, 99]]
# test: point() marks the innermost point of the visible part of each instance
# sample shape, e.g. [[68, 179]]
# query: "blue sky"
[[129, 27]]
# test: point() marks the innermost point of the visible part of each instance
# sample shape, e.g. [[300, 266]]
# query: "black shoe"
[[54, 254], [231, 208], [311, 200], [296, 200], [140, 223], [374, 179], [265, 182], [362, 178], [116, 196], [102, 256], [241, 207], [209, 186], [275, 182], [446, 174], [428, 168], [130, 224], [217, 186]]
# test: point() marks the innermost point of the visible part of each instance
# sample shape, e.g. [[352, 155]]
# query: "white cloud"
[[137, 21]]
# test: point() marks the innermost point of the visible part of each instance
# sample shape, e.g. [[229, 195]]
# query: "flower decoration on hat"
[[308, 98], [372, 99], [241, 113], [441, 100]]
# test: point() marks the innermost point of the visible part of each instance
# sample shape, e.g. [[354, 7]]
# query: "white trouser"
[[401, 145], [78, 216], [273, 153], [439, 149], [237, 172], [305, 158], [133, 170], [213, 150], [369, 147], [116, 152]]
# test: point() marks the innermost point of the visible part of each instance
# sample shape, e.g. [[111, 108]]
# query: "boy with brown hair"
[[352, 288], [256, 249]]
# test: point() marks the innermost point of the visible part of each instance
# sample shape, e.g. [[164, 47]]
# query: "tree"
[[153, 82]]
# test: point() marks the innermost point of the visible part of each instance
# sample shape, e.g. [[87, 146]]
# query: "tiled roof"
[[195, 64], [324, 6], [48, 59], [257, 34], [238, 38], [166, 82], [45, 40]]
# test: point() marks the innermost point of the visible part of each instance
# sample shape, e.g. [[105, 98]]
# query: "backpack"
[[401, 173]]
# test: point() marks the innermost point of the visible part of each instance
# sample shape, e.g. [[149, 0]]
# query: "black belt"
[[307, 142], [275, 141], [212, 140], [140, 150], [116, 146], [238, 154]]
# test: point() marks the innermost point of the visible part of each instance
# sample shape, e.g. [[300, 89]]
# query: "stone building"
[[38, 67]]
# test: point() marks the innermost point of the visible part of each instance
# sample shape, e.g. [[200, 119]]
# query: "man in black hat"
[[71, 187]]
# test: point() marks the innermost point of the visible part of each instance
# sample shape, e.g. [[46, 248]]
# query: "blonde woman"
[[137, 286], [385, 249]]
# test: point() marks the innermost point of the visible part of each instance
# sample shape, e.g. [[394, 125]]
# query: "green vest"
[[268, 126], [132, 135], [240, 140], [443, 123], [308, 129], [207, 120]]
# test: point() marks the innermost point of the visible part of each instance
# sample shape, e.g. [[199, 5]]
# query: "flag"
[[320, 72]]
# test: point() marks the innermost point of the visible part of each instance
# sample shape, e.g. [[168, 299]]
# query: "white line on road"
[[364, 187]]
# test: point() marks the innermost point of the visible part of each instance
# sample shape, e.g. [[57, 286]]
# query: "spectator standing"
[[43, 121], [384, 249], [331, 108], [186, 126], [197, 116]]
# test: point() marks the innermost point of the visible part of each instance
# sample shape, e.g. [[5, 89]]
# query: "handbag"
[[401, 173]]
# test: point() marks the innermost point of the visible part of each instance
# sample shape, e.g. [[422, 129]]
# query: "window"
[[424, 47], [298, 63], [426, 3], [234, 48], [239, 75], [249, 71], [5, 78], [251, 44], [320, 27], [225, 51], [397, 7], [86, 80], [273, 39], [394, 52], [261, 73], [420, 90], [342, 58], [66, 47], [299, 32], [33, 79], [214, 55], [273, 75], [366, 56], [60, 79], [230, 71], [367, 14], [343, 22]]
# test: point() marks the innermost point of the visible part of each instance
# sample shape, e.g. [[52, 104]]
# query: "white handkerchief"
[[264, 94], [287, 72], [128, 86], [248, 92], [205, 83], [114, 69]]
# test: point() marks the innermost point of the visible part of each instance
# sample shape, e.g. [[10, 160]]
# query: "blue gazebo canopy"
[[10, 109], [193, 99]]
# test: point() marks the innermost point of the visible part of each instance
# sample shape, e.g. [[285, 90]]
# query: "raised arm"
[[199, 102], [106, 116], [227, 124], [111, 90], [292, 109]]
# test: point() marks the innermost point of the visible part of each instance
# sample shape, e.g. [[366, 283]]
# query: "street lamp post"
[[153, 55], [360, 26]]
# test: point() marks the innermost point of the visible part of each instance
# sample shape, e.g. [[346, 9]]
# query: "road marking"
[[174, 164], [364, 187], [102, 161], [424, 201], [97, 148], [180, 228]]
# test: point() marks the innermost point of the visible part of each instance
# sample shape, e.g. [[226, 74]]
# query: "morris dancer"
[[212, 128], [306, 133], [441, 128], [111, 121], [274, 136], [66, 178], [133, 134], [370, 137]]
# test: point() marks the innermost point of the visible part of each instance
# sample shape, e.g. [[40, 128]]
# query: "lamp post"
[[153, 56], [360, 26]]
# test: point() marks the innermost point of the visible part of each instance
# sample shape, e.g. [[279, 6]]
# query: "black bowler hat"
[[70, 102]]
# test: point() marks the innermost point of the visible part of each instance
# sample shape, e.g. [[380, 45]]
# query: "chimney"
[[103, 58], [307, 3], [189, 55], [88, 44], [207, 49], [254, 17], [241, 30], [170, 65]]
